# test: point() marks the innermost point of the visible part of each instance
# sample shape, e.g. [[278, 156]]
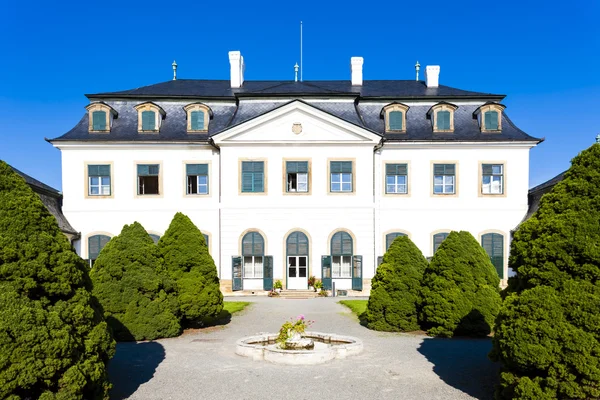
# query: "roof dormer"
[[101, 116], [489, 117], [198, 117], [394, 115], [442, 117], [150, 117]]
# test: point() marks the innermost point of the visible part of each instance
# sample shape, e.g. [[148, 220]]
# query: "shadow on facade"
[[463, 364]]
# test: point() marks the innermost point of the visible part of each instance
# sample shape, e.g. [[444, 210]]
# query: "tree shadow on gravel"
[[133, 365], [463, 363]]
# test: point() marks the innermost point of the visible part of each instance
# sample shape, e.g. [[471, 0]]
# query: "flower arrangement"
[[292, 328], [311, 280], [278, 284], [318, 285]]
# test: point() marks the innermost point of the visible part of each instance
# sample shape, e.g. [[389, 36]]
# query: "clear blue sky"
[[543, 54]]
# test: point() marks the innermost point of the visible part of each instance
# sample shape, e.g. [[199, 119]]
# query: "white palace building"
[[288, 179]]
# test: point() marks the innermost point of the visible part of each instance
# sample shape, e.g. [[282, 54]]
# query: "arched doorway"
[[297, 260]]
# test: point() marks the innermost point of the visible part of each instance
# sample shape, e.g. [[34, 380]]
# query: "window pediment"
[[489, 117], [100, 117], [394, 115], [442, 117], [198, 117], [150, 117]]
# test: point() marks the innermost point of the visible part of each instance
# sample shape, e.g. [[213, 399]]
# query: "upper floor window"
[[253, 176], [198, 117], [489, 117], [341, 176], [442, 117], [444, 178], [197, 178], [100, 117], [438, 238], [148, 182], [99, 180], [297, 176], [395, 117], [150, 117], [492, 179], [396, 178]]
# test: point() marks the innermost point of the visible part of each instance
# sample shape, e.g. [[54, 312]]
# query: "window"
[[99, 180], [396, 178], [390, 237], [99, 120], [197, 120], [442, 116], [341, 176], [438, 238], [100, 117], [95, 245], [205, 239], [198, 116], [297, 176], [443, 120], [493, 243], [489, 117], [150, 117], [491, 120], [395, 117], [148, 179], [444, 178], [396, 120], [197, 178], [253, 177], [492, 179], [155, 238], [341, 255], [148, 120], [253, 250]]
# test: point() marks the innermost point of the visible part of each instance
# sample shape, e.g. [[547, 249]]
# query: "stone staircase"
[[298, 294]]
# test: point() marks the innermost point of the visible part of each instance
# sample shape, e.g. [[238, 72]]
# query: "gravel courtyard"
[[203, 364]]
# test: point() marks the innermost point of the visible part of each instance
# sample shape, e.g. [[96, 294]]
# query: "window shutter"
[[395, 122], [147, 170], [487, 169], [98, 170], [197, 120], [258, 182], [148, 121], [390, 237], [493, 244], [247, 181], [296, 167], [99, 120], [396, 169], [344, 167], [341, 244], [443, 169], [95, 245], [438, 239], [336, 244], [205, 239], [491, 120], [443, 120], [196, 169]]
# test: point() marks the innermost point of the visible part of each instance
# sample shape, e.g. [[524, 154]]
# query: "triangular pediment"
[[296, 122]]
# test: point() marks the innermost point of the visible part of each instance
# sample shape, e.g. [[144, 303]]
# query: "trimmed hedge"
[[54, 342], [460, 289], [548, 331], [190, 265], [139, 298], [395, 293]]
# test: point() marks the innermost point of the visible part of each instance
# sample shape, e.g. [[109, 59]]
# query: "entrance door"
[[297, 272]]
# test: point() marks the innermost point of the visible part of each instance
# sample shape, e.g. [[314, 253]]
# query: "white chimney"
[[432, 76], [236, 62], [356, 64]]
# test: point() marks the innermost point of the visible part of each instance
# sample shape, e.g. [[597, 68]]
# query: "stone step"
[[298, 294]]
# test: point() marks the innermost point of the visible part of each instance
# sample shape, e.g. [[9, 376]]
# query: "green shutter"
[[268, 273], [337, 167], [147, 170], [438, 238], [444, 169], [493, 243], [341, 244], [487, 169], [357, 269], [253, 244], [443, 120], [196, 169], [98, 170], [253, 166], [197, 120], [396, 169], [390, 237], [95, 245], [236, 273], [491, 120], [205, 239], [148, 121], [247, 178], [258, 183], [395, 122], [99, 120], [296, 167], [326, 272]]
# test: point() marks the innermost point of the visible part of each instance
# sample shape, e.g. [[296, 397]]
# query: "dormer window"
[[442, 117], [198, 116], [100, 116], [489, 117], [395, 117], [150, 117]]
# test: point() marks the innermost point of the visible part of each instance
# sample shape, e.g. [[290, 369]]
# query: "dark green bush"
[[395, 291], [139, 298], [54, 342], [460, 289], [548, 331], [189, 263]]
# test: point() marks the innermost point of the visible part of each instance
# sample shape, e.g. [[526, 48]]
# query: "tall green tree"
[[131, 283], [189, 263], [548, 331], [460, 289], [54, 342], [396, 288]]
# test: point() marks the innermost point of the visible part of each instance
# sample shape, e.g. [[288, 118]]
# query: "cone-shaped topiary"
[[53, 340], [460, 289], [548, 330], [396, 288], [139, 299], [189, 263]]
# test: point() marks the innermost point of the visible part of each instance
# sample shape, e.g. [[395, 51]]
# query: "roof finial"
[[417, 68], [174, 70], [598, 138], [296, 72]]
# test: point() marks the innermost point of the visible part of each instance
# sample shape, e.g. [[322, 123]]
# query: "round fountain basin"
[[328, 346]]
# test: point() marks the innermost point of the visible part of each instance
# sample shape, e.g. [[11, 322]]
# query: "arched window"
[[100, 117], [95, 245], [438, 238], [297, 260], [150, 117], [394, 115], [154, 237], [253, 252], [489, 117], [198, 117], [297, 244], [493, 243], [389, 238], [341, 255], [442, 116]]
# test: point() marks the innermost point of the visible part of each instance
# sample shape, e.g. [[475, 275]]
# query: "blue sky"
[[543, 54]]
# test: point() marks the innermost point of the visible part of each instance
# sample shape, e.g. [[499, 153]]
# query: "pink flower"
[[301, 317]]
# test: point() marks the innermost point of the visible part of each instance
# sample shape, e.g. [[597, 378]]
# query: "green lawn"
[[229, 308], [234, 306], [358, 307]]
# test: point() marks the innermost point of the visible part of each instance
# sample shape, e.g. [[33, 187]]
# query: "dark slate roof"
[[380, 89], [535, 194], [51, 198]]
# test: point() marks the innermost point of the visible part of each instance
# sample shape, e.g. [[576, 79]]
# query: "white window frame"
[[252, 267], [396, 185], [199, 185], [490, 184], [299, 182], [339, 268], [103, 185], [444, 183], [343, 178]]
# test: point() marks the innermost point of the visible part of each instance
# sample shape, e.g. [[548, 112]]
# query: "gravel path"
[[203, 364]]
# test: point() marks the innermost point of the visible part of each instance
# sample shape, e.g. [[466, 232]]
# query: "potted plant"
[[278, 286], [318, 285], [311, 281]]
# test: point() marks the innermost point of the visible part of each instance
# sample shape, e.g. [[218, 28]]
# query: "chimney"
[[432, 76], [236, 62], [356, 64]]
